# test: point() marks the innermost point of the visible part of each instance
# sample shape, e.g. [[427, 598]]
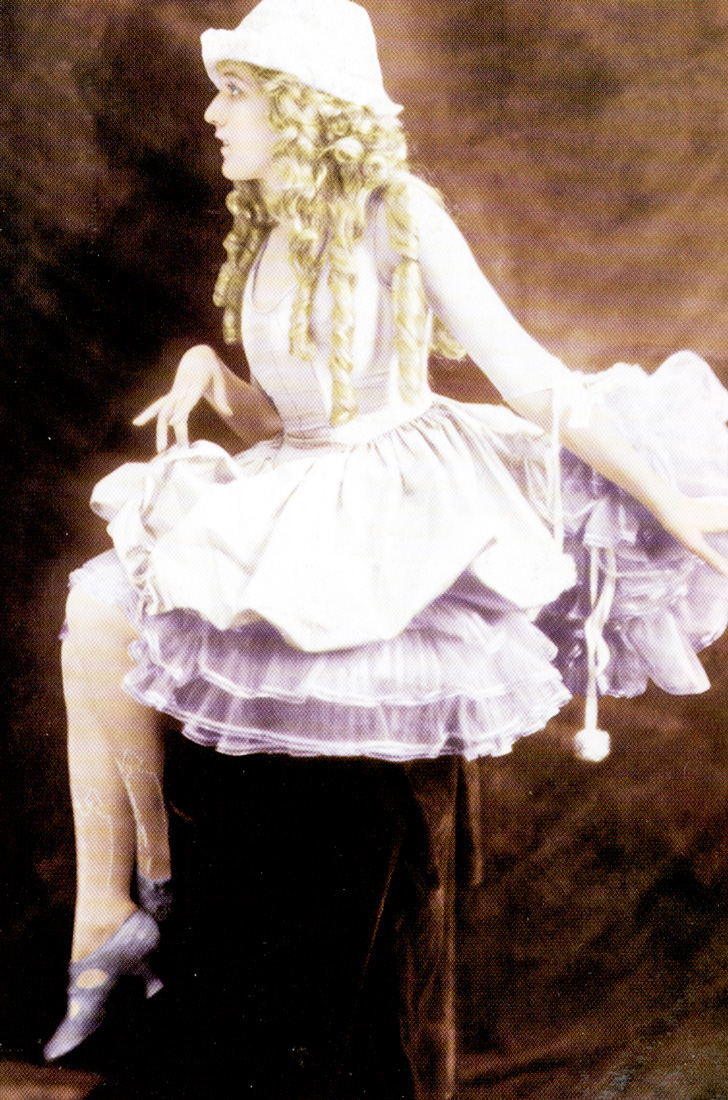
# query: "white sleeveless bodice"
[[301, 390]]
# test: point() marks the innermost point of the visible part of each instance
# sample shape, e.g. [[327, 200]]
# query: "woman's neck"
[[273, 275], [270, 193]]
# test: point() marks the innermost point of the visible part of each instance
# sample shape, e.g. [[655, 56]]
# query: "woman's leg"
[[115, 756]]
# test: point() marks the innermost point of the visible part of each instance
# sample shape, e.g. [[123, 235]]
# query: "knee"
[[81, 613], [90, 623]]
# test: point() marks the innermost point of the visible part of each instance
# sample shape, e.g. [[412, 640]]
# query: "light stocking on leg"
[[111, 938], [115, 764], [141, 768]]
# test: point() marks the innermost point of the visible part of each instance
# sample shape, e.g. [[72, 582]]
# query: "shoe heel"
[[152, 984]]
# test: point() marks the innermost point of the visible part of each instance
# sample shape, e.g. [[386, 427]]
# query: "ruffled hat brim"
[[327, 44]]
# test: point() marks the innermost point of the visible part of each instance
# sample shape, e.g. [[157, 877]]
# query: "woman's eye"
[[234, 91]]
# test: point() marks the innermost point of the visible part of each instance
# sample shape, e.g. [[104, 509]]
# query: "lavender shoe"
[[124, 954]]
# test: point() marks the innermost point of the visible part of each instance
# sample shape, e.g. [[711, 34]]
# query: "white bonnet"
[[327, 44]]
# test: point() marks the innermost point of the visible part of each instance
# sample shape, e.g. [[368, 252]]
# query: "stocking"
[[115, 759]]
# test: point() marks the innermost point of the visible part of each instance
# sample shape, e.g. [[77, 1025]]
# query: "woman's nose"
[[212, 114]]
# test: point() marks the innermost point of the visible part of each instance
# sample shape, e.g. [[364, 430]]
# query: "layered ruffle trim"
[[462, 679], [668, 604]]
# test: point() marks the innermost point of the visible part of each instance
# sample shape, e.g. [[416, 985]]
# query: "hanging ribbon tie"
[[590, 743]]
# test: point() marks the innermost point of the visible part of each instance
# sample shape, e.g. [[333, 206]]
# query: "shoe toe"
[[66, 1038]]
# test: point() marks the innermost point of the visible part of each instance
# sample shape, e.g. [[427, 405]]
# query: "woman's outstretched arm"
[[202, 375], [526, 375], [600, 443]]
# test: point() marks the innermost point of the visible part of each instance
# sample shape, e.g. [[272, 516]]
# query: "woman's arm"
[[202, 375], [459, 294], [600, 443], [526, 375]]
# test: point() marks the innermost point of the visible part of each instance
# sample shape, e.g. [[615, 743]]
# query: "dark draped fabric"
[[315, 935]]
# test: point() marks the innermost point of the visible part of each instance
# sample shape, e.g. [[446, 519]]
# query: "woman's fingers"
[[712, 557], [713, 513], [199, 374], [692, 518], [162, 433], [219, 395], [719, 562], [166, 417], [149, 413], [697, 542], [181, 434], [171, 411], [178, 420]]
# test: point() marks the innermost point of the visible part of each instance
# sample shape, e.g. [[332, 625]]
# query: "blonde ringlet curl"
[[250, 225], [331, 157]]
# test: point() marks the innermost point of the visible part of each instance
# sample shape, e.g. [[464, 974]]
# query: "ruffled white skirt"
[[377, 598]]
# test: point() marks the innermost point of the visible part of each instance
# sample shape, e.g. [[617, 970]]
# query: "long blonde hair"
[[332, 157]]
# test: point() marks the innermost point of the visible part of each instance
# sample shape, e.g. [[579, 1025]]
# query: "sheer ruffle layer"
[[668, 603], [463, 678]]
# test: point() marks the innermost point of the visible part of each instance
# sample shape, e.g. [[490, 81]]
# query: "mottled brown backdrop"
[[582, 147]]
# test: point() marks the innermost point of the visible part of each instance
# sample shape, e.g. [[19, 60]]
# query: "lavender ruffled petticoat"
[[461, 679], [468, 673], [668, 604]]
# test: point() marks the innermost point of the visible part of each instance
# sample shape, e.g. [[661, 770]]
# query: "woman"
[[362, 583]]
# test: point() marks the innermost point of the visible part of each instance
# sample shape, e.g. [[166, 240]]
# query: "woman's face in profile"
[[239, 113]]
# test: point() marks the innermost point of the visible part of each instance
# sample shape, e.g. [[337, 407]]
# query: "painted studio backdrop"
[[583, 151]]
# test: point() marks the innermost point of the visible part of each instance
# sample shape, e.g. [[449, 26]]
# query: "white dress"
[[370, 589]]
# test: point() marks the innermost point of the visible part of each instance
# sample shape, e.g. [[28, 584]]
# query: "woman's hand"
[[600, 444], [690, 519], [200, 374]]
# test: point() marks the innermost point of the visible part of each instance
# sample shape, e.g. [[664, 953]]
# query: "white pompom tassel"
[[592, 745]]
